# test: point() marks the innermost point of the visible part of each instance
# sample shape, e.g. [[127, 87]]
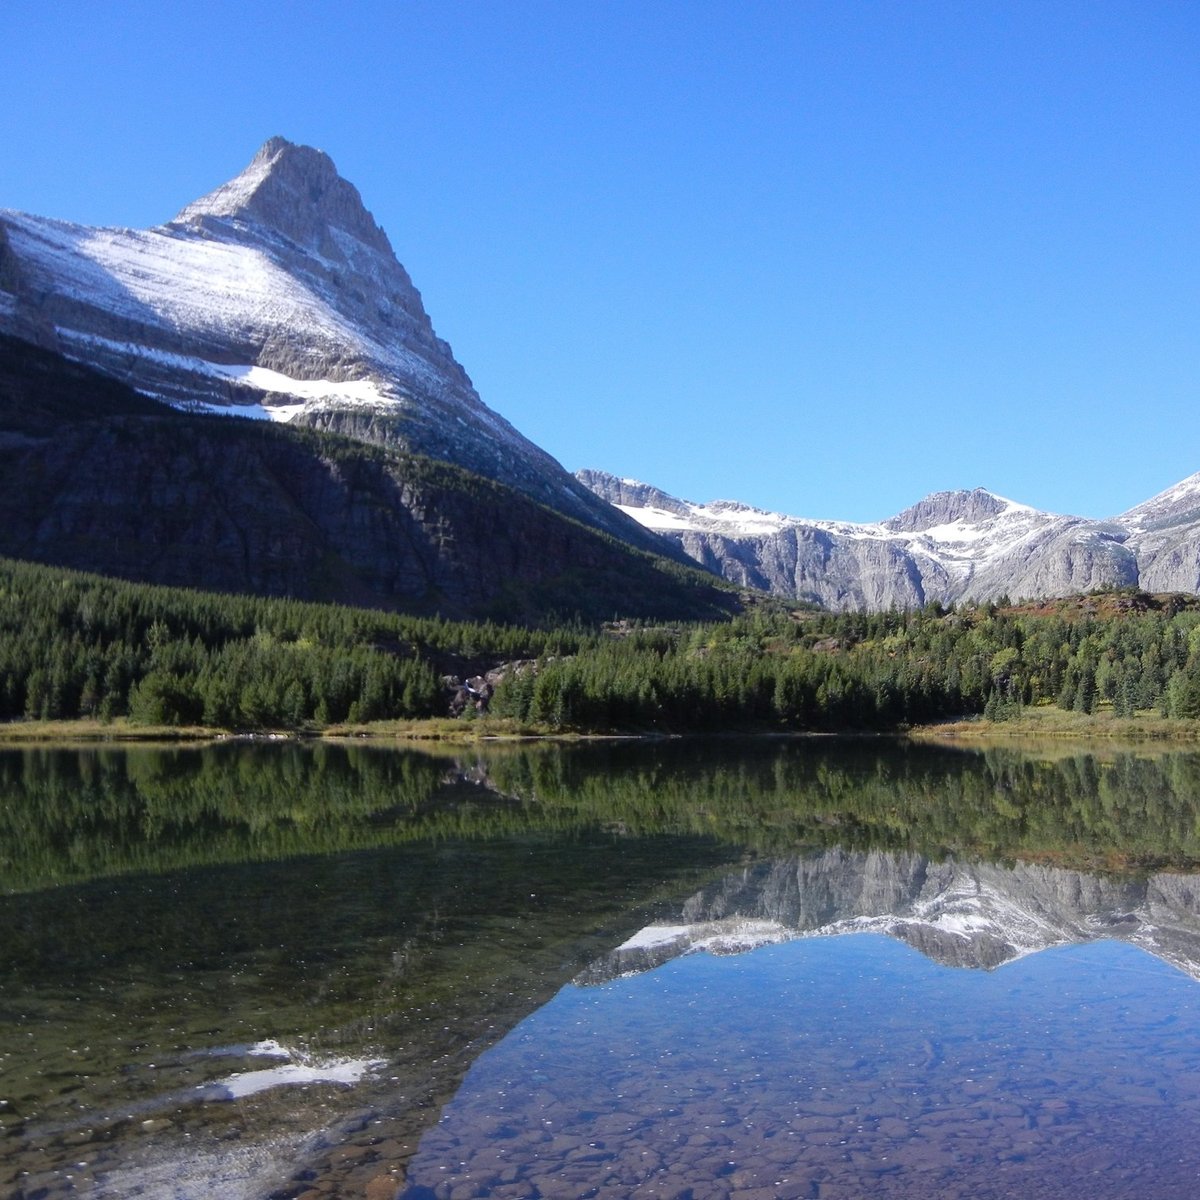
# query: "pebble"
[[383, 1187]]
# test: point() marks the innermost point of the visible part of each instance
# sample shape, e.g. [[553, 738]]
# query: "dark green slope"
[[97, 477]]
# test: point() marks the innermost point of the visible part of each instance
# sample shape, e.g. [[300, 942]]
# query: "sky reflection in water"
[[847, 1066]]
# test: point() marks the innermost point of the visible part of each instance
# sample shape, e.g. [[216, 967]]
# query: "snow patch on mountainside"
[[230, 198], [657, 519], [299, 392], [168, 278]]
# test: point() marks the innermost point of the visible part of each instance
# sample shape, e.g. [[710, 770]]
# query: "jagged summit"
[[296, 191], [1176, 505], [944, 508], [630, 493]]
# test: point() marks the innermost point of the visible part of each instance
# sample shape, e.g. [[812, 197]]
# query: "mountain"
[[960, 914], [275, 296], [1166, 531], [951, 546], [99, 477]]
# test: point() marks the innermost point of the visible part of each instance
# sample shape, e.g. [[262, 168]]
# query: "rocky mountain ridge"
[[276, 296], [950, 546]]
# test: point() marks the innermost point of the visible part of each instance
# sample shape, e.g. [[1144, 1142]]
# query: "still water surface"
[[657, 970], [848, 1067]]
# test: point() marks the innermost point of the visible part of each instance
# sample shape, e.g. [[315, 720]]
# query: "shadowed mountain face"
[[98, 477], [951, 546], [278, 296]]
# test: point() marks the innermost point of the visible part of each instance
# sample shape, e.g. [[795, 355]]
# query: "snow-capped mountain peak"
[[960, 508], [952, 545], [276, 294], [1179, 504]]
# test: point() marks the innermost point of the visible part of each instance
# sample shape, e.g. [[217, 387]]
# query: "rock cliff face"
[[973, 915], [951, 546], [98, 477], [278, 296]]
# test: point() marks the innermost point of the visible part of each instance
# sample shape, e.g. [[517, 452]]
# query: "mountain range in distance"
[[951, 546], [278, 297]]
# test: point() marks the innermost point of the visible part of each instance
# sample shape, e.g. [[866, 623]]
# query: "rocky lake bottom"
[[844, 1067]]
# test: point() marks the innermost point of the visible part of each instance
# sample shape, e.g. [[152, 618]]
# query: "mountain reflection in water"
[[261, 971]]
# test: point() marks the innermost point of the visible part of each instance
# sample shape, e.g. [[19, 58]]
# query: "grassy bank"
[[438, 729], [122, 730], [87, 729], [1051, 722]]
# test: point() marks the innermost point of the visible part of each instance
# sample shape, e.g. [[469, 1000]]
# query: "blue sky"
[[823, 257]]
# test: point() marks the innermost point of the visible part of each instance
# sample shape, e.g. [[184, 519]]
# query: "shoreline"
[[1040, 723]]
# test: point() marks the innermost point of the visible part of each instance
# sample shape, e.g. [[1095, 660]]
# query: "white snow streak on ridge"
[[300, 1069], [355, 391], [1158, 506], [280, 413], [732, 935], [228, 199], [346, 392], [186, 286], [961, 915], [182, 282], [655, 935], [656, 518], [191, 282], [958, 545]]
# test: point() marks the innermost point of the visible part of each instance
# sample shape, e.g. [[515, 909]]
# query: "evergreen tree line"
[[874, 671], [73, 815], [76, 645]]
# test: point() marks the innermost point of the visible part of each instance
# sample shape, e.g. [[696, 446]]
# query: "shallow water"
[[277, 971], [849, 1066]]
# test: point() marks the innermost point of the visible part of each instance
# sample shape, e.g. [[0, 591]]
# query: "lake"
[[677, 969]]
